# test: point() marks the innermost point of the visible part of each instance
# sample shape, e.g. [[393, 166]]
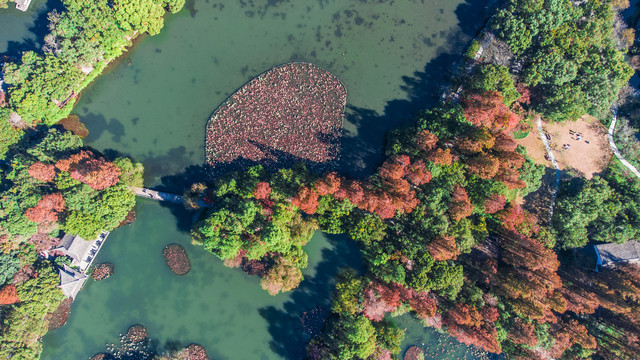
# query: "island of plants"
[[290, 113], [176, 258]]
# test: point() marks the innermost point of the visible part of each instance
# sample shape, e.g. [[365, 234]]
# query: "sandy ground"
[[586, 157]]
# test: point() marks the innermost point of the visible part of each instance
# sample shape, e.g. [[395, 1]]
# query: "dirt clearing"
[[579, 146]]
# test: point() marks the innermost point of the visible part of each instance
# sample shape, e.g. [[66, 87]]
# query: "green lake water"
[[393, 57]]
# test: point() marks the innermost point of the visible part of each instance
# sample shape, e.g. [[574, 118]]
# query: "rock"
[[414, 353], [137, 333], [102, 271], [176, 257]]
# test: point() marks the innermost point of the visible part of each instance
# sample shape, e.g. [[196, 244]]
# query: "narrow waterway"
[[394, 58]]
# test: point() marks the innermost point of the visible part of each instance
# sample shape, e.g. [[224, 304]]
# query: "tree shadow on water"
[[362, 150], [302, 317], [37, 31]]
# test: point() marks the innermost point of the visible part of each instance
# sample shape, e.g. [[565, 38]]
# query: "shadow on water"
[[303, 316], [39, 30], [180, 182], [361, 153]]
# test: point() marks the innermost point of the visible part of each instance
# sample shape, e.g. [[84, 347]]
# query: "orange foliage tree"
[[460, 206], [443, 248], [94, 171], [306, 199], [48, 209], [8, 295], [487, 109], [262, 191]]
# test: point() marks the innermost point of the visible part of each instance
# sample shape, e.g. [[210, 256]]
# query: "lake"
[[394, 58]]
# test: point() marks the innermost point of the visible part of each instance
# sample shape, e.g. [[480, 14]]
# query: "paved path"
[[157, 195], [624, 162], [556, 183]]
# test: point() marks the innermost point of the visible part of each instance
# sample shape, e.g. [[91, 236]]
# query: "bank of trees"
[[569, 57], [42, 86], [603, 209], [48, 184]]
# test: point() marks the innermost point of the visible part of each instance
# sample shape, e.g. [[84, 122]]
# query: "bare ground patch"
[[579, 146]]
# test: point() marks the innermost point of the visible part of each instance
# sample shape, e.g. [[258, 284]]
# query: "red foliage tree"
[[375, 306], [47, 209], [467, 325], [440, 157], [483, 165], [525, 93], [523, 333], [569, 333], [504, 142], [392, 169], [85, 167], [386, 208], [510, 159], [443, 248], [329, 184], [42, 171], [512, 216], [494, 203], [8, 295], [418, 174], [426, 141], [487, 109], [307, 200], [422, 304], [262, 191], [527, 277], [511, 178], [460, 206]]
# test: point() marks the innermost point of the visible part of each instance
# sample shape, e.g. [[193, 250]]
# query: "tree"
[[262, 191], [42, 172], [282, 277], [9, 266], [91, 170], [484, 165], [488, 109], [48, 209], [8, 295], [443, 248], [460, 206], [494, 204], [490, 77]]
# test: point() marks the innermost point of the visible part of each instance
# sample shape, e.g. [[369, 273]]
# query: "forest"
[[50, 184], [42, 87], [441, 226]]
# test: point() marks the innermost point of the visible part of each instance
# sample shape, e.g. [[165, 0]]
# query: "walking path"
[[157, 195], [624, 162], [556, 183], [163, 196]]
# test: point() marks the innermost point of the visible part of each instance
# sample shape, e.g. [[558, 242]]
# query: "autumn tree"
[[41, 171], [443, 248], [494, 203], [488, 109], [48, 209], [460, 206], [8, 295]]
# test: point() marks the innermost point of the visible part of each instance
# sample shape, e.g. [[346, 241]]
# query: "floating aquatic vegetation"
[[290, 113]]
